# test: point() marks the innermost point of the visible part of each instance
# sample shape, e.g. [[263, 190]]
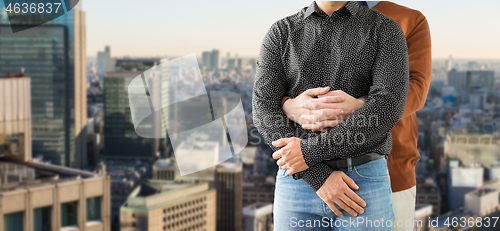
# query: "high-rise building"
[[36, 195], [54, 56], [169, 205], [449, 63], [240, 63], [214, 59], [457, 79], [231, 63], [120, 139], [480, 80], [109, 63], [15, 118], [104, 63], [471, 80], [229, 180], [206, 57], [125, 177]]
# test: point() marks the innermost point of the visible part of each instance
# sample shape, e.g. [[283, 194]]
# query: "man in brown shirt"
[[320, 115]]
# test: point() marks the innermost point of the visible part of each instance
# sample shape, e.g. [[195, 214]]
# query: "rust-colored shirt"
[[404, 154]]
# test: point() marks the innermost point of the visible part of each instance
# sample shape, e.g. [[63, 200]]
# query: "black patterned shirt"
[[357, 50]]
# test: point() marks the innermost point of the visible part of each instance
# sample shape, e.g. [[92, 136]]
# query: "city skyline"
[[167, 30], [72, 156]]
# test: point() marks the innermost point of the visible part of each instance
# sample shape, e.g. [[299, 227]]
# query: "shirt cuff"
[[313, 149], [317, 175]]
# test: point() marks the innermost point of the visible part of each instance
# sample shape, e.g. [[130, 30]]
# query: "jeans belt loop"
[[349, 164]]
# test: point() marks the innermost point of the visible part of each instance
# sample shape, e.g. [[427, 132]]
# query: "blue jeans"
[[298, 207]]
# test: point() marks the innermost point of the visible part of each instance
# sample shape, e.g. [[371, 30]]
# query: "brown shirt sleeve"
[[420, 57]]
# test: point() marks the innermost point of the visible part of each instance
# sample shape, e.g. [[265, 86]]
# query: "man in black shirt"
[[343, 46]]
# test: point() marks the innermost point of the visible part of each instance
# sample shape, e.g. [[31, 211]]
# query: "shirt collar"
[[370, 4], [352, 7]]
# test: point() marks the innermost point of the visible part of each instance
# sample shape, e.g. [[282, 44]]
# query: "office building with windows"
[[473, 148], [40, 196], [15, 118], [54, 56], [120, 139], [169, 205], [229, 184], [214, 60]]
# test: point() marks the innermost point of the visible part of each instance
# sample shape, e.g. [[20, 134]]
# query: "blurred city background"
[[70, 158]]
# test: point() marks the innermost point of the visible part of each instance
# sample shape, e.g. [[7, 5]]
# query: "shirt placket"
[[328, 51]]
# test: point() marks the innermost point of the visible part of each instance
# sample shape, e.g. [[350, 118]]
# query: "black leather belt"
[[363, 159], [337, 164]]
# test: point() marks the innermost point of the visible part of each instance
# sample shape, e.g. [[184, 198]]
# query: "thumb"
[[281, 142]]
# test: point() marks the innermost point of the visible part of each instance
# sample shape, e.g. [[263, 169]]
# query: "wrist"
[[286, 98], [361, 102], [287, 106]]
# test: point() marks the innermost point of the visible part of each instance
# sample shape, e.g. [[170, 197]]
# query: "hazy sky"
[[464, 29]]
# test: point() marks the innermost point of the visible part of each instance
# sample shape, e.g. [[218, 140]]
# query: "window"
[[93, 208], [13, 221], [69, 214], [42, 219]]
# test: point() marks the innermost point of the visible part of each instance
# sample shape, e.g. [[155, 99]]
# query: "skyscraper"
[[457, 79], [206, 56], [229, 182], [449, 63], [214, 59], [15, 118], [104, 61], [39, 196], [120, 138], [481, 79], [54, 56]]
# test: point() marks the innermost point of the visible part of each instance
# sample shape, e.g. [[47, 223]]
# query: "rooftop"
[[23, 175], [258, 209], [165, 163], [481, 192], [13, 75], [152, 187]]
